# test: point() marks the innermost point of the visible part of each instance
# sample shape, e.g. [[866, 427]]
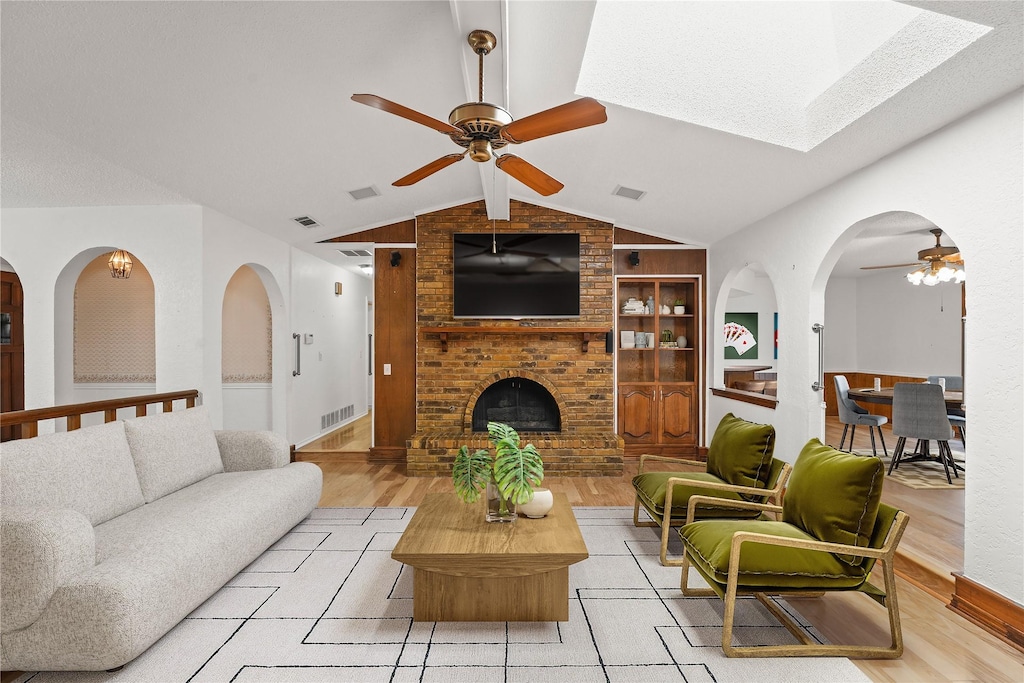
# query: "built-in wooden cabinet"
[[658, 359]]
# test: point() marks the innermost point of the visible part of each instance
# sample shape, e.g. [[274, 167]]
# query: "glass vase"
[[499, 509]]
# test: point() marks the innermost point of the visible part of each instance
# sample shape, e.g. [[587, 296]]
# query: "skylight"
[[788, 73]]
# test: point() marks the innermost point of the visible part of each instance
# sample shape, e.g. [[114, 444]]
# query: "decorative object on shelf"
[[641, 340], [651, 340], [681, 342], [666, 309], [633, 306], [666, 335], [507, 477], [542, 502], [678, 307], [650, 304], [120, 264], [627, 338]]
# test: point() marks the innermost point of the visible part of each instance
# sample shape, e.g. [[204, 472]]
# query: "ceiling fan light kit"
[[943, 264], [482, 128]]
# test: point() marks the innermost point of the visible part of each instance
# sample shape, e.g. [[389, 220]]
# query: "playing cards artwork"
[[740, 334]]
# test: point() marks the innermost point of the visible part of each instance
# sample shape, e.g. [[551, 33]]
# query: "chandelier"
[[934, 272], [120, 265]]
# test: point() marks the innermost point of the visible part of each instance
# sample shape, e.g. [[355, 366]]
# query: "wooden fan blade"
[[528, 174], [406, 113], [431, 168], [893, 265], [580, 113]]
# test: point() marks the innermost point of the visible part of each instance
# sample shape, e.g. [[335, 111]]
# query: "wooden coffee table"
[[466, 569]]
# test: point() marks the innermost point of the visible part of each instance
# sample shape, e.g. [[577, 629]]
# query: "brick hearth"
[[448, 383]]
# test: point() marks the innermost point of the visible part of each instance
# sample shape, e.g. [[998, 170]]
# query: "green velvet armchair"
[[833, 530], [740, 470]]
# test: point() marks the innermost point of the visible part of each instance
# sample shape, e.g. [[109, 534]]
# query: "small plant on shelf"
[[507, 477]]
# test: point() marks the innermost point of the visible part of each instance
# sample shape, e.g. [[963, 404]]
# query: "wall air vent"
[[362, 253], [306, 222], [628, 193], [364, 193]]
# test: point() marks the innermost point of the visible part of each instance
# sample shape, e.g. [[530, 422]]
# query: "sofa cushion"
[[834, 495], [709, 545], [652, 487], [173, 450], [88, 470], [741, 452]]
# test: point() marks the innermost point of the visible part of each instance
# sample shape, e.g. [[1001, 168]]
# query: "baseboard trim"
[[936, 582], [993, 612], [387, 454]]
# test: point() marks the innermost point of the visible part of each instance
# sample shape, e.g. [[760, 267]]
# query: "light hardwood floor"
[[940, 645]]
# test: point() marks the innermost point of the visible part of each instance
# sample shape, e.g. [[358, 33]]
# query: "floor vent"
[[332, 418]]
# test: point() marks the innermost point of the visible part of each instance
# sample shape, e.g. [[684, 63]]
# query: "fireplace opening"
[[520, 403]]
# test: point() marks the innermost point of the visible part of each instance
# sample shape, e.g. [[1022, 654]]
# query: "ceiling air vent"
[[306, 222], [364, 193], [628, 193], [354, 252]]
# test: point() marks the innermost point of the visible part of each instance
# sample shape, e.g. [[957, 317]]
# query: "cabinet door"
[[677, 414], [637, 414]]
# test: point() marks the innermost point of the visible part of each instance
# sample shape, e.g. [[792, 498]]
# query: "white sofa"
[[113, 534]]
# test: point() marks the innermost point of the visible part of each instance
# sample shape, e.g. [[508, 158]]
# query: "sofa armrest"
[[242, 451], [40, 549]]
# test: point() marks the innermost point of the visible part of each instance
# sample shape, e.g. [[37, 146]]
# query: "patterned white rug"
[[327, 603]]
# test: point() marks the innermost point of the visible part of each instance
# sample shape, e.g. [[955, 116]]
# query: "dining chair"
[[919, 412], [833, 529], [957, 416], [852, 414]]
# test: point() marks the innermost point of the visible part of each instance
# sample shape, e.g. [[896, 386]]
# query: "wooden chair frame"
[[665, 520], [807, 647]]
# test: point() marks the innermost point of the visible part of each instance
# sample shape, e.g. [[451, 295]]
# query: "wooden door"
[[12, 350], [638, 414], [677, 414]]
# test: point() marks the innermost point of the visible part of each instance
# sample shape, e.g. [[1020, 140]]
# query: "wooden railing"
[[28, 420]]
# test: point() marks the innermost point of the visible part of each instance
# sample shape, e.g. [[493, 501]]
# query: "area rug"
[[923, 475], [327, 603]]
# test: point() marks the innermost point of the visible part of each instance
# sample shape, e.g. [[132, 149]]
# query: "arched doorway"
[[878, 324]]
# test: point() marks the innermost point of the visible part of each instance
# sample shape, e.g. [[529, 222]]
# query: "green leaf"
[[470, 474], [517, 471]]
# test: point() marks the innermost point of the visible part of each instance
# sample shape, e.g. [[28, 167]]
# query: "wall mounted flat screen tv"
[[517, 275]]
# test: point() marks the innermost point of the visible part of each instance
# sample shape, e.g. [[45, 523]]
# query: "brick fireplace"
[[453, 373]]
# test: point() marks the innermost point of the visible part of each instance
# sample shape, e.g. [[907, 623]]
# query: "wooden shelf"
[[445, 330]]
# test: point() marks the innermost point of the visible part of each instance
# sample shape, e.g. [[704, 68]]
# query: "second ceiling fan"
[[481, 128]]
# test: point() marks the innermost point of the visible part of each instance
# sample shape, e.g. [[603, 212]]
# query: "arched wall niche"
[[746, 298], [116, 338], [247, 352]]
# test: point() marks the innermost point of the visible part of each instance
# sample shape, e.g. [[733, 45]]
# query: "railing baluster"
[[74, 422], [110, 414]]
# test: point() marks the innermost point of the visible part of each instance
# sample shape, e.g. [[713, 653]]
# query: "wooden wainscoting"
[[860, 380]]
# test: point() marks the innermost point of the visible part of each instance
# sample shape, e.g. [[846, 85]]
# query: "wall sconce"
[[396, 258], [634, 258], [120, 264], [337, 289]]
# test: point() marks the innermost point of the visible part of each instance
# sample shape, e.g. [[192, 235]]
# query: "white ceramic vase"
[[539, 506]]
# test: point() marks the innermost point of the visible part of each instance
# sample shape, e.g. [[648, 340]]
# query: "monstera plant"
[[506, 478]]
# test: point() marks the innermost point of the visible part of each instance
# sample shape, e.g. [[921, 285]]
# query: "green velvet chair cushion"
[[709, 544], [651, 488], [741, 452], [834, 495]]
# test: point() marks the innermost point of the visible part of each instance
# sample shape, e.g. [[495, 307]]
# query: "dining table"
[[954, 399]]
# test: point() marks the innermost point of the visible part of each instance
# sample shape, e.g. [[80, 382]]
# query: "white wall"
[[191, 253], [335, 365], [967, 179], [40, 243], [882, 324]]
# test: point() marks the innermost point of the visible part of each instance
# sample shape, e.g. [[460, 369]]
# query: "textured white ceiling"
[[244, 107]]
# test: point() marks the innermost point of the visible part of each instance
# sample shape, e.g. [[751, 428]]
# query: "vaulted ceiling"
[[245, 107]]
